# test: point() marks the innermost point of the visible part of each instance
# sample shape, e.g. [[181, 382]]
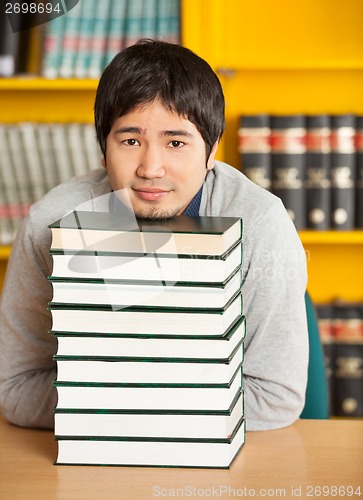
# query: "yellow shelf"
[[332, 237], [5, 252], [34, 83]]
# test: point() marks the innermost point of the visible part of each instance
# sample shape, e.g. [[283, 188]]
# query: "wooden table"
[[295, 462]]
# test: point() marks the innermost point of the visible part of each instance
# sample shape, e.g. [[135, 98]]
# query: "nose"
[[151, 163]]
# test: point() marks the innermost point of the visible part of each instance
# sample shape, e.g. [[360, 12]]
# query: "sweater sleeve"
[[276, 346], [27, 369]]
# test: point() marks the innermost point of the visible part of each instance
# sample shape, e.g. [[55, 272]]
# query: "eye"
[[176, 144], [131, 142]]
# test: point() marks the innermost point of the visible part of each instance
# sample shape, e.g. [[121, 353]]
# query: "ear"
[[103, 162], [210, 161]]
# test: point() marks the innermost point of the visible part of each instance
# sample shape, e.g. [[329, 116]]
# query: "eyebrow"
[[164, 133]]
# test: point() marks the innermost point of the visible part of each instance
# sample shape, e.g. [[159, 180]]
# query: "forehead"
[[155, 116]]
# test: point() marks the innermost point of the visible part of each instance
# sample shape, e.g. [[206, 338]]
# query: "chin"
[[156, 213]]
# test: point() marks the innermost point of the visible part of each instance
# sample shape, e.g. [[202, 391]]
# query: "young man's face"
[[159, 157]]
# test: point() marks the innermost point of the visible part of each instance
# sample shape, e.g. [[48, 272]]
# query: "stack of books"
[[150, 328]]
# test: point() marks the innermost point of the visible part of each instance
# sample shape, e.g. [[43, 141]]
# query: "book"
[[18, 171], [165, 346], [134, 22], [154, 294], [60, 145], [92, 157], [359, 173], [348, 360], [32, 162], [288, 146], [116, 29], [47, 154], [99, 38], [154, 370], [182, 235], [168, 270], [12, 207], [205, 425], [157, 452], [159, 398], [52, 47], [9, 42], [326, 333], [70, 36], [254, 147], [143, 319], [317, 183], [83, 51], [343, 171]]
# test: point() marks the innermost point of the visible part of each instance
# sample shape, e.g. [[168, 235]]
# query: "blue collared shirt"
[[193, 207]]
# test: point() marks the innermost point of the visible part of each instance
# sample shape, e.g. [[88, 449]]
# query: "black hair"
[[151, 70]]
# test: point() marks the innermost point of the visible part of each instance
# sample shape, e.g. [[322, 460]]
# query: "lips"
[[150, 194]]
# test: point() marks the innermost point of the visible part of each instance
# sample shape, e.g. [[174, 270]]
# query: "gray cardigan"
[[274, 282]]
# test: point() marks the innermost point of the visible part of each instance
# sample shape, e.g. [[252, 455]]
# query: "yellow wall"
[[302, 56]]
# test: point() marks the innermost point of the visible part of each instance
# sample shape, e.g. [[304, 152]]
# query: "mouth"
[[150, 194]]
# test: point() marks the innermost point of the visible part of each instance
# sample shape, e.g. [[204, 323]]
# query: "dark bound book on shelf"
[[254, 147], [325, 323], [288, 141], [348, 360], [343, 171], [317, 181], [359, 173]]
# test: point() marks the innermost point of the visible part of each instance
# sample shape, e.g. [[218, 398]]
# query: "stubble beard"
[[156, 213]]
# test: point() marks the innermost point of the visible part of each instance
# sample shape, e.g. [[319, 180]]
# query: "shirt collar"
[[192, 209]]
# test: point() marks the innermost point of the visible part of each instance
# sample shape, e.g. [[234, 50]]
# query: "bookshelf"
[[274, 57], [288, 57]]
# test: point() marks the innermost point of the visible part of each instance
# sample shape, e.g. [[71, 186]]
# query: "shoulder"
[[34, 232], [68, 195], [231, 193]]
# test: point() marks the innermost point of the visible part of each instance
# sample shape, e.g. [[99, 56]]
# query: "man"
[[159, 115]]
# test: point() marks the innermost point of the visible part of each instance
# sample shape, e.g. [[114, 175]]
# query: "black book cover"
[[348, 360], [9, 43], [359, 173], [254, 147], [288, 141], [343, 171], [325, 324], [317, 181]]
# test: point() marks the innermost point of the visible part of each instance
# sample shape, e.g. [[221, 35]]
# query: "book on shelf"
[[9, 43], [146, 345], [115, 37], [343, 171], [341, 332], [317, 183], [254, 148], [348, 360], [288, 148], [359, 173], [168, 452], [325, 181], [205, 425], [52, 47], [83, 49], [70, 37], [99, 41]]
